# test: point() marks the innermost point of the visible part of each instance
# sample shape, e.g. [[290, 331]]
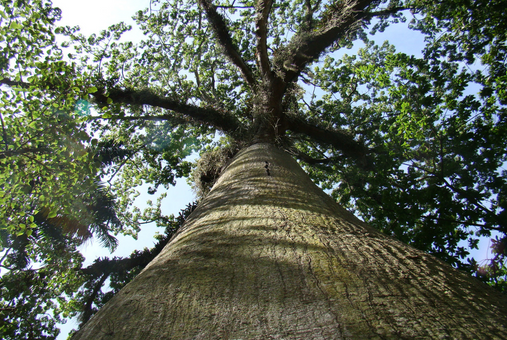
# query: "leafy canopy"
[[413, 145]]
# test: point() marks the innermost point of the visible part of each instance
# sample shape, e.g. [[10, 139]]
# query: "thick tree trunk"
[[268, 255]]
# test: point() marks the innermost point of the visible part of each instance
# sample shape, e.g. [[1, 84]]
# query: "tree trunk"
[[268, 255]]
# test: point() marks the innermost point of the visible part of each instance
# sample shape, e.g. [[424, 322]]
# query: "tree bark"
[[268, 255]]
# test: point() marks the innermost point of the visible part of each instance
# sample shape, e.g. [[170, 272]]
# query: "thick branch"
[[220, 120], [11, 83], [263, 8], [386, 12], [308, 15], [159, 118], [338, 139], [306, 47], [224, 38], [18, 152]]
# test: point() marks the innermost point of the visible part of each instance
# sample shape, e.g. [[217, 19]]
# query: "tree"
[[34, 300], [413, 145], [268, 255]]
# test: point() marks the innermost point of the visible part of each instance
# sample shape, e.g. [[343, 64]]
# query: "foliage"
[[33, 299], [438, 151], [210, 166], [120, 271], [494, 270], [413, 145], [45, 166]]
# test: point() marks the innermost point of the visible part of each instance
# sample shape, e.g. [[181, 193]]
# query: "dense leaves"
[[35, 299], [45, 166], [413, 144], [438, 150]]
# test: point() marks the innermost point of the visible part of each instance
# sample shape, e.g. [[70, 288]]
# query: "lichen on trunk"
[[268, 255]]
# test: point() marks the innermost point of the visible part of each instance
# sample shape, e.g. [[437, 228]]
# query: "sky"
[[92, 16]]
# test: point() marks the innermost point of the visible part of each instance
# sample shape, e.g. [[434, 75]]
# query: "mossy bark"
[[268, 255]]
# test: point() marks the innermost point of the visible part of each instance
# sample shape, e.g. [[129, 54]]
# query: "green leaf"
[[16, 26], [53, 213]]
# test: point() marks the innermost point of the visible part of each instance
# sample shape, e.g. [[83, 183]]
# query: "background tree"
[[413, 145], [34, 300]]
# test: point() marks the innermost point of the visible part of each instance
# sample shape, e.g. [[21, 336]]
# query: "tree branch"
[[224, 38], [218, 119], [305, 47], [489, 213], [4, 257], [232, 6], [485, 226], [103, 268], [4, 133], [8, 153], [308, 16], [263, 8], [115, 265], [87, 309], [338, 139], [167, 117], [11, 83], [386, 12], [307, 158]]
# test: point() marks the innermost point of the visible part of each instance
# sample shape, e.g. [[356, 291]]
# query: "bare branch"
[[224, 38], [263, 7], [219, 119]]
